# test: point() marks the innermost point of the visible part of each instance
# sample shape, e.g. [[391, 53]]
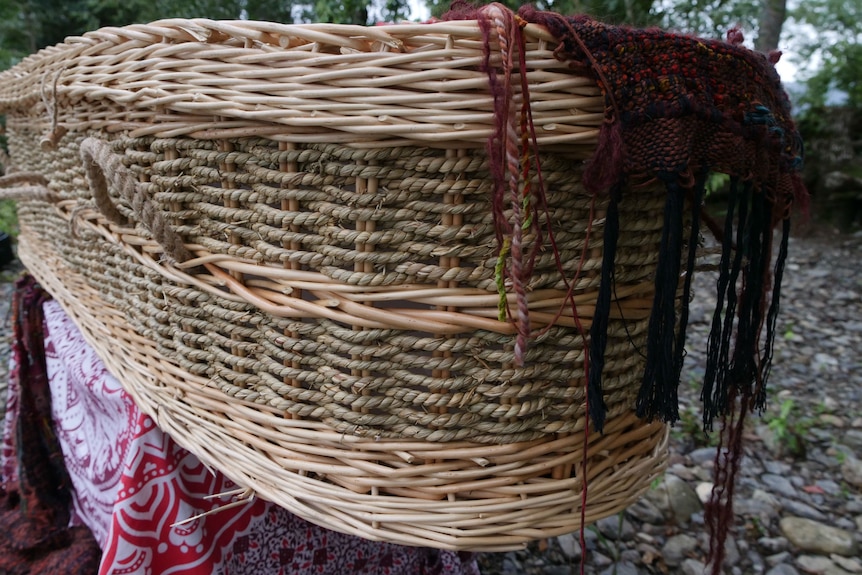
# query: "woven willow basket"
[[279, 238]]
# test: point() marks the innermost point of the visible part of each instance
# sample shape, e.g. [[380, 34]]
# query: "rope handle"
[[106, 172], [25, 186]]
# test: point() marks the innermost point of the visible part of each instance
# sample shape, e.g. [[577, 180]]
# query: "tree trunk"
[[771, 21]]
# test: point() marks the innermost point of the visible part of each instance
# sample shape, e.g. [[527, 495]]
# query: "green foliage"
[[710, 18], [636, 12], [789, 429], [837, 47], [28, 25], [689, 430], [270, 10], [717, 183], [344, 12], [8, 218], [356, 12], [755, 526]]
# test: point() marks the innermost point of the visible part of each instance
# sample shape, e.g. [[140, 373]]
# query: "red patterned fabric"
[[132, 483], [34, 496]]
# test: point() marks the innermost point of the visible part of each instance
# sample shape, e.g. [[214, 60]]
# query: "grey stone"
[[778, 558], [755, 561], [692, 567], [683, 472], [851, 470], [643, 537], [859, 523], [616, 527], [631, 555], [703, 457], [783, 569], [645, 510], [849, 564], [761, 504], [828, 486], [675, 498], [812, 536], [830, 404], [731, 552], [776, 467], [844, 523], [600, 559], [704, 491], [852, 438], [831, 420], [803, 510], [511, 565], [819, 565], [773, 545], [570, 545], [621, 568], [779, 484], [653, 530], [677, 548]]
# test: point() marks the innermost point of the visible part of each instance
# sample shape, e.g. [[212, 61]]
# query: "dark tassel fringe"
[[741, 387], [599, 329], [693, 240], [743, 283], [772, 315], [658, 393], [715, 379], [755, 245]]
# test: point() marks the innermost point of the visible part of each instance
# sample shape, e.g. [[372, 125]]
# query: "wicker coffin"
[[280, 239]]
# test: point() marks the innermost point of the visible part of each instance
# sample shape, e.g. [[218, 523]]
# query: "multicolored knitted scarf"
[[677, 109]]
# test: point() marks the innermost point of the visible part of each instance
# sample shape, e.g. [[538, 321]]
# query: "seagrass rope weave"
[[330, 335]]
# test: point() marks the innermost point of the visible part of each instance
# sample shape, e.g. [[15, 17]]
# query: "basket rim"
[[399, 84]]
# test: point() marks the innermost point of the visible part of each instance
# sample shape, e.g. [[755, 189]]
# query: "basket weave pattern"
[[330, 336]]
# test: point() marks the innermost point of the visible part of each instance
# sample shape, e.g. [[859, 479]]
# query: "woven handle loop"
[[106, 172], [25, 186]]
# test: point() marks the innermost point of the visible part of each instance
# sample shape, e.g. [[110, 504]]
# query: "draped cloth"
[[677, 109], [126, 487], [35, 536]]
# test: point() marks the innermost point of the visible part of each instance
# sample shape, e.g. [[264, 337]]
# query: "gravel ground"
[[799, 499]]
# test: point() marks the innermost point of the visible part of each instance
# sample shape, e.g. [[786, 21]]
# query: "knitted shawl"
[[677, 108]]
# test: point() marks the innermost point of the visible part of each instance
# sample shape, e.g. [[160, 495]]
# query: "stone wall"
[[833, 165]]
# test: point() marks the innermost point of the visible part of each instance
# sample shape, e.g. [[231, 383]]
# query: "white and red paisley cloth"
[[132, 484]]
